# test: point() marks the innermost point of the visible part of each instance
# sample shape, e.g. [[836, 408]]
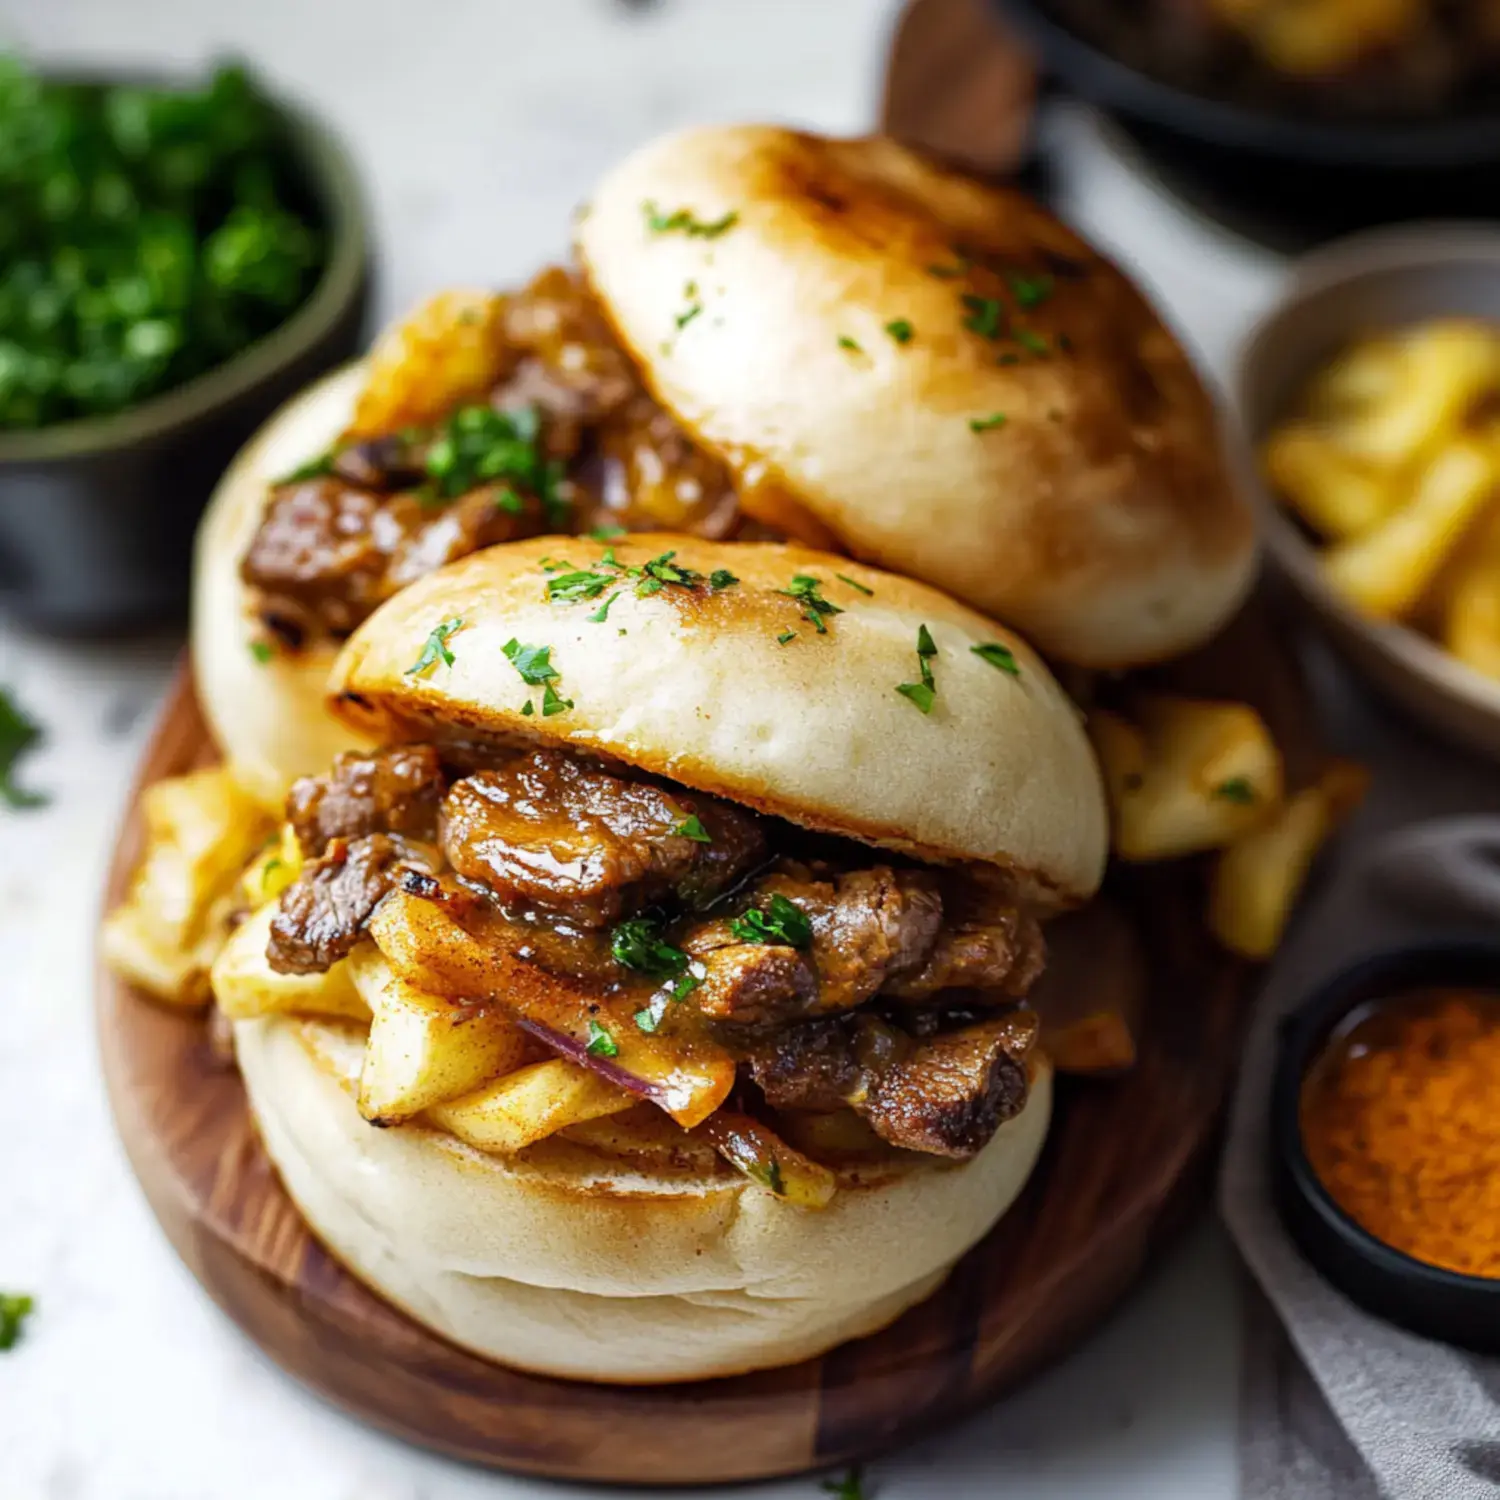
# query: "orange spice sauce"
[[1400, 1119]]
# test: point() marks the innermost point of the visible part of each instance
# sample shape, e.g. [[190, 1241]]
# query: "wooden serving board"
[[1124, 1163]]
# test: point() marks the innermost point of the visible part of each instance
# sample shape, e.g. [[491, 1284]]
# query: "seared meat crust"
[[397, 790]]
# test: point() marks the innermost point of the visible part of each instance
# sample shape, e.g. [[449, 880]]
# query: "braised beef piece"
[[995, 946], [397, 790], [551, 832], [324, 911], [327, 553], [945, 1096], [950, 1094], [749, 984], [381, 463]]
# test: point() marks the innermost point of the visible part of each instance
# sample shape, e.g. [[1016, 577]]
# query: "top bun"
[[696, 683], [1098, 517]]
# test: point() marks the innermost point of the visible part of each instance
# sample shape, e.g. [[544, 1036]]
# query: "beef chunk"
[[823, 1065], [1001, 951], [324, 912], [397, 790], [750, 984], [571, 838], [950, 1094], [381, 463]]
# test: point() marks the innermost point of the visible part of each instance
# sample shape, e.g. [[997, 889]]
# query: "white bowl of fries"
[[1371, 396]]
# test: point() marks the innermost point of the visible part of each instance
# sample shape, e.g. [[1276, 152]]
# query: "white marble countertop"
[[480, 123]]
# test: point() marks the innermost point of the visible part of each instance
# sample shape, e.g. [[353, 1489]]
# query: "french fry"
[[1386, 571], [1257, 879], [1470, 614], [1190, 775], [423, 1049], [200, 830], [245, 985], [528, 1105], [1357, 380], [1336, 494], [446, 351]]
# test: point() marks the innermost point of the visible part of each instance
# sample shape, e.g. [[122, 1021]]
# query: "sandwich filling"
[[682, 946], [564, 439]]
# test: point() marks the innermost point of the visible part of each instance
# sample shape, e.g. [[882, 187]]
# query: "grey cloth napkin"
[[1340, 1404]]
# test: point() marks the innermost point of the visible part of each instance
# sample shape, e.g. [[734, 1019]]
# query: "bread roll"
[[799, 304]]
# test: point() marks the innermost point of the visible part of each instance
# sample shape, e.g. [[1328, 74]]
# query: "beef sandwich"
[[765, 334], [650, 1003]]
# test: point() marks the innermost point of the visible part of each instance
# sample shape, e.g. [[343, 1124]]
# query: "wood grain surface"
[[1123, 1165]]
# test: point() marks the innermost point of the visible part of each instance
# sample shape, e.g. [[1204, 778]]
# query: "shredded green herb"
[[15, 1308], [989, 423], [998, 656], [601, 1043], [986, 315], [606, 531], [785, 636], [552, 703], [1236, 789], [1030, 291], [845, 342], [534, 663], [900, 330], [923, 693], [18, 735], [692, 827], [768, 1175], [601, 614], [722, 578], [262, 651], [845, 578], [850, 1487], [684, 221], [569, 588], [780, 921], [687, 315], [436, 648], [807, 591], [1032, 341]]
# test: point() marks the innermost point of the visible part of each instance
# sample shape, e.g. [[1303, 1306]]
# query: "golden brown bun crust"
[[1099, 519], [696, 684], [577, 1263], [268, 717]]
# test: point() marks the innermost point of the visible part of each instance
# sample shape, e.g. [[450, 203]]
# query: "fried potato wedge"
[[200, 830], [1188, 775], [423, 1049], [1337, 494], [1257, 880], [1471, 612], [245, 985], [528, 1105]]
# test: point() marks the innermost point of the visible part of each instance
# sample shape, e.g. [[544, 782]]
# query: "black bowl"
[[97, 516], [1457, 1309], [1323, 176]]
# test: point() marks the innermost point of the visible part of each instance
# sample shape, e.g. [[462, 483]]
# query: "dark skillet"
[[1315, 176]]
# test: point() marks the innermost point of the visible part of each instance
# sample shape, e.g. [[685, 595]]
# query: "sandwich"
[[650, 1003], [763, 334]]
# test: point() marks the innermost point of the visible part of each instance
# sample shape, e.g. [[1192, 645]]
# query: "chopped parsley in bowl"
[[148, 235]]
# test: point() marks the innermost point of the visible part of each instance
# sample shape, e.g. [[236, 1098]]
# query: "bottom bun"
[[610, 1265]]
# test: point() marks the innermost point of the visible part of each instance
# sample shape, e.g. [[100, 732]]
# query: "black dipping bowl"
[[1316, 176], [97, 516], [1457, 1309]]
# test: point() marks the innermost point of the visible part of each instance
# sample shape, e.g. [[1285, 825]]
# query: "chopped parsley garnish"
[[850, 1487], [692, 827], [780, 921], [687, 315], [534, 663], [552, 703], [18, 734], [606, 531], [1032, 341], [436, 649], [807, 591], [601, 614], [768, 1175], [1030, 291], [569, 588], [998, 656], [986, 315], [262, 651], [684, 221], [478, 444], [15, 1308], [785, 636], [638, 945], [601, 1043], [844, 578], [662, 570], [923, 693], [1236, 789], [989, 423], [845, 342], [722, 578], [900, 330], [527, 709], [509, 501]]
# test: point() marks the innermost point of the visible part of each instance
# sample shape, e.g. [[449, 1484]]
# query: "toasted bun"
[[1099, 519], [695, 684], [579, 1263], [268, 718]]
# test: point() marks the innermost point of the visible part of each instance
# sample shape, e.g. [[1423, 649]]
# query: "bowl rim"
[[1304, 1032], [1116, 84], [1424, 247], [336, 182]]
